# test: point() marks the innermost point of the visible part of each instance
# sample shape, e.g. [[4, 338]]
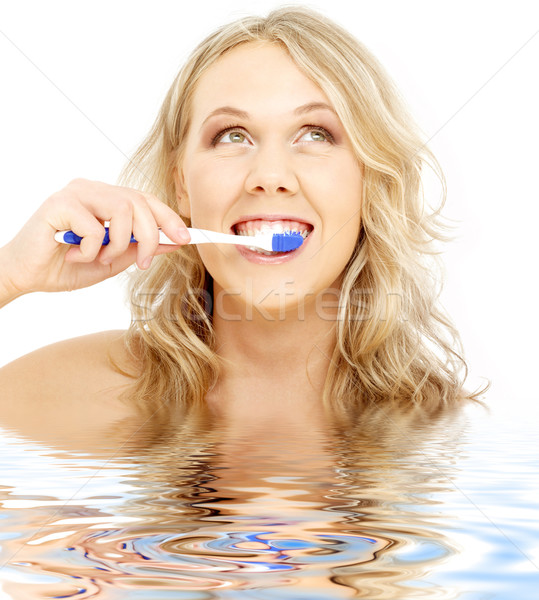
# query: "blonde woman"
[[283, 121]]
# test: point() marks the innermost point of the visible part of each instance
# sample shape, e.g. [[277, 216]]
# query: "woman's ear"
[[184, 206]]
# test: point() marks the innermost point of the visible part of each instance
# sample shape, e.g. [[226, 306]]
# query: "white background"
[[81, 83]]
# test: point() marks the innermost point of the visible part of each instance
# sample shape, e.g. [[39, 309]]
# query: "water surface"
[[394, 507]]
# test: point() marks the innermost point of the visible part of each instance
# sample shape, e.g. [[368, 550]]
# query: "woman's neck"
[[277, 363]]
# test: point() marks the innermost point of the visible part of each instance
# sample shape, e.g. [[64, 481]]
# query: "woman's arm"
[[74, 384], [7, 291]]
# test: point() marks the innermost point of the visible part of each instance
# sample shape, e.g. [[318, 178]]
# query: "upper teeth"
[[278, 226], [278, 229]]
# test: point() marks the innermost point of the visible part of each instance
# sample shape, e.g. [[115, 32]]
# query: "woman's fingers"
[[150, 215], [120, 228], [36, 262], [146, 232], [169, 221], [92, 233], [128, 212]]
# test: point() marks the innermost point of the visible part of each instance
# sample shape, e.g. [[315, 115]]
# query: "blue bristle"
[[285, 242]]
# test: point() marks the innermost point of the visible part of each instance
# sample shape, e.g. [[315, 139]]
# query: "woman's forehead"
[[257, 76]]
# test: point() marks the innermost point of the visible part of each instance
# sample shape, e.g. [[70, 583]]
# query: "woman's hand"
[[34, 261]]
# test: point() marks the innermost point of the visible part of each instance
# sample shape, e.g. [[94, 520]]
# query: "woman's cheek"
[[214, 188]]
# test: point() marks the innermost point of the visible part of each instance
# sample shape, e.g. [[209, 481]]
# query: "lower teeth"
[[260, 251]]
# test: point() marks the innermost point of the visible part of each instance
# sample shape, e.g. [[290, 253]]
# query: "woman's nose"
[[271, 173]]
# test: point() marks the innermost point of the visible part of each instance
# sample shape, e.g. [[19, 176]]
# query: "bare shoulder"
[[83, 364], [76, 382]]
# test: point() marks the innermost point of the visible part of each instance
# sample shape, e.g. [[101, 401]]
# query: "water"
[[394, 507]]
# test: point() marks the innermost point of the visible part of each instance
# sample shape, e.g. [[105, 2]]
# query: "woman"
[[285, 120]]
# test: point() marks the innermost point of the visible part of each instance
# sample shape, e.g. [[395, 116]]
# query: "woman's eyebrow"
[[241, 114], [312, 106], [227, 110]]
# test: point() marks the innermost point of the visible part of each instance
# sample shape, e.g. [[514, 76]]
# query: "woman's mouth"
[[255, 226]]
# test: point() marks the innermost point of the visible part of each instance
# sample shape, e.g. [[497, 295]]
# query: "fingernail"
[[146, 262], [184, 235]]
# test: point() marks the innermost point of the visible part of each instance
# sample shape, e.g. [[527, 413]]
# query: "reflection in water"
[[186, 514]]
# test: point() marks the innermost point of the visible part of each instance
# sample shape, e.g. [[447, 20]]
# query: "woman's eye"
[[230, 137], [317, 135]]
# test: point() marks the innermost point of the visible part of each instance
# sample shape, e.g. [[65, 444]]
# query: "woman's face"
[[266, 149]]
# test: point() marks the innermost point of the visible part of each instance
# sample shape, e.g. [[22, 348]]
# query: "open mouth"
[[256, 226]]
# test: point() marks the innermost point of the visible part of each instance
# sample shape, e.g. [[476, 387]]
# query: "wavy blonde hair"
[[393, 342]]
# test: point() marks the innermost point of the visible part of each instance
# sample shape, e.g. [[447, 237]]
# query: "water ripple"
[[355, 516]]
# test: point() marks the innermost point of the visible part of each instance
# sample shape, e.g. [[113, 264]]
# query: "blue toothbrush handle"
[[69, 237]]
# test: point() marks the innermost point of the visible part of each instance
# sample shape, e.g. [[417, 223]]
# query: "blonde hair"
[[393, 342]]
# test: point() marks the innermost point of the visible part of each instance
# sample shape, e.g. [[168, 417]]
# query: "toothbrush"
[[271, 242]]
